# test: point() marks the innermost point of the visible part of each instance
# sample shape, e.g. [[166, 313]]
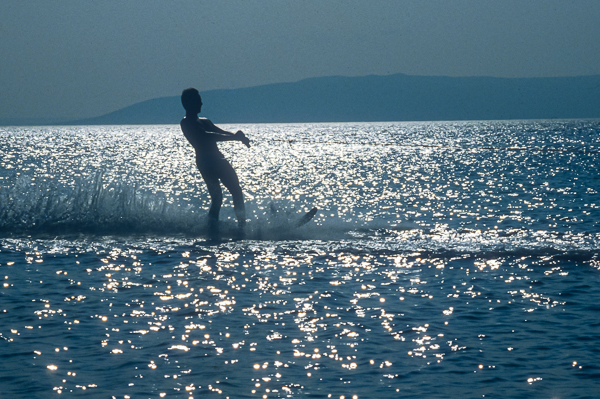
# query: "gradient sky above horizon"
[[83, 58]]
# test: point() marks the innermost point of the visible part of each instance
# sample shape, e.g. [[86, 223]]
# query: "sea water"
[[447, 259]]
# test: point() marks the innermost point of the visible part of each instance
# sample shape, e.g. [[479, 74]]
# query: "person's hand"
[[242, 137]]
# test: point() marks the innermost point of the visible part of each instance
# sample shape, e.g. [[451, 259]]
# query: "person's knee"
[[217, 199], [236, 191], [216, 195], [238, 200]]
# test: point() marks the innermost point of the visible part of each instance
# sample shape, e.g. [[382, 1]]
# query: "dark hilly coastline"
[[380, 98]]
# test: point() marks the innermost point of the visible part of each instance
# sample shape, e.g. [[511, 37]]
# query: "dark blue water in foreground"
[[446, 260]]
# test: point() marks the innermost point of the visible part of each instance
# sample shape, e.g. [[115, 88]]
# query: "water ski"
[[277, 224], [281, 219], [307, 217]]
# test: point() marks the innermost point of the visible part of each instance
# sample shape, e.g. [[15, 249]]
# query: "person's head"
[[191, 101]]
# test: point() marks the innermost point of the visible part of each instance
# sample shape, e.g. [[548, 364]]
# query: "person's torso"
[[204, 143]]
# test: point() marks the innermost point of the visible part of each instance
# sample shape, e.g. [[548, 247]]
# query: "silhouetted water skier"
[[203, 135]]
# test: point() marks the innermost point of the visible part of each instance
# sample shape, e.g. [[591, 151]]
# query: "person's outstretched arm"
[[224, 135]]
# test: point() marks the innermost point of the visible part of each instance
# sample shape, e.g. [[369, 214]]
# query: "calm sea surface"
[[451, 259]]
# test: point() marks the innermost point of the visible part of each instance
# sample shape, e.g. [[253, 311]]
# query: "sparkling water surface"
[[449, 259]]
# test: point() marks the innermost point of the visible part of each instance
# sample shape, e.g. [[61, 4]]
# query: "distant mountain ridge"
[[396, 97]]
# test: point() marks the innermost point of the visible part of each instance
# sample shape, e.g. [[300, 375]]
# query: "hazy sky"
[[80, 58]]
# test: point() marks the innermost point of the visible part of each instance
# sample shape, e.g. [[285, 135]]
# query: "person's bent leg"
[[240, 209], [231, 182], [216, 197]]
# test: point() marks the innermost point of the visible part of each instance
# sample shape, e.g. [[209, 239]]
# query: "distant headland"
[[380, 98]]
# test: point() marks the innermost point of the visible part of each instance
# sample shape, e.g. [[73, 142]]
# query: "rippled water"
[[447, 260]]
